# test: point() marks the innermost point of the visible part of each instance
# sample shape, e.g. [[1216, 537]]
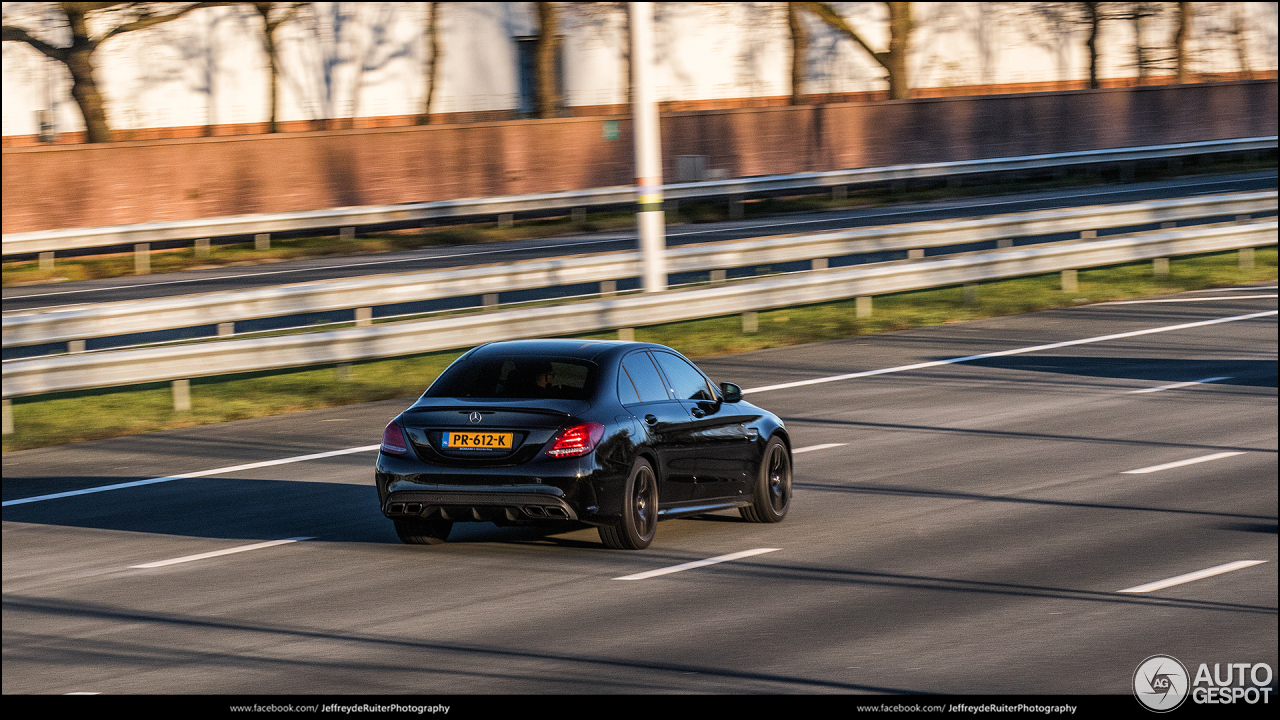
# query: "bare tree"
[[1093, 17], [1139, 14], [273, 16], [1239, 34], [894, 61], [548, 102], [1180, 38], [432, 70], [78, 57], [799, 50]]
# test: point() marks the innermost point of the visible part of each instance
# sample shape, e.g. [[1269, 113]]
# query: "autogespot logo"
[[1160, 683]]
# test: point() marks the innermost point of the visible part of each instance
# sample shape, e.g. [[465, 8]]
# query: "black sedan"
[[614, 434]]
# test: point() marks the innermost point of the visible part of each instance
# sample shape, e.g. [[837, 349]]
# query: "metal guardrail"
[[46, 241], [137, 316], [129, 367]]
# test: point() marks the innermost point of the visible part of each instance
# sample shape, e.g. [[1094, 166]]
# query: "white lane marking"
[[1178, 300], [1200, 574], [883, 371], [1003, 353], [216, 553], [1181, 463], [697, 564], [184, 476], [811, 448], [1175, 386]]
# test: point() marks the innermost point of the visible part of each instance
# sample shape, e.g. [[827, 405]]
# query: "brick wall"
[[61, 186]]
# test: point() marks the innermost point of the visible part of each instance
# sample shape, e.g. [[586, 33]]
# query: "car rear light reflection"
[[393, 440], [576, 441]]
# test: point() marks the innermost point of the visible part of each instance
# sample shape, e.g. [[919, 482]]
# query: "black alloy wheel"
[[639, 522], [772, 494]]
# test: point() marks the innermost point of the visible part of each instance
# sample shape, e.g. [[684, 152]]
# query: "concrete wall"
[[94, 185]]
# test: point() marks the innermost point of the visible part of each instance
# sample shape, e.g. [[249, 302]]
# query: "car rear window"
[[531, 377]]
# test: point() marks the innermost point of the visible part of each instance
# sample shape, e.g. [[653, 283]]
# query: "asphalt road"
[[239, 278], [961, 527]]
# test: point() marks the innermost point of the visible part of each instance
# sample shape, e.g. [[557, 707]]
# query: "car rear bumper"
[[476, 503]]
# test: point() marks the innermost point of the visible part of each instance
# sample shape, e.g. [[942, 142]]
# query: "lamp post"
[[650, 220]]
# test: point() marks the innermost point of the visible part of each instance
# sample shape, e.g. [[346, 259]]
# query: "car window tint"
[[517, 377], [648, 383], [627, 392], [686, 382]]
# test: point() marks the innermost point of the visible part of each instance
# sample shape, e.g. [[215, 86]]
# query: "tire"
[[639, 522], [423, 531], [772, 492]]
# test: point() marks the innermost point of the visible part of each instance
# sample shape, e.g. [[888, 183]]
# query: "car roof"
[[585, 349]]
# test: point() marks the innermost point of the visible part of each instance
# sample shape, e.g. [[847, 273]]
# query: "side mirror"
[[732, 393]]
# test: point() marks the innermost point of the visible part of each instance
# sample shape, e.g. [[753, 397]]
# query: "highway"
[[53, 295], [979, 515]]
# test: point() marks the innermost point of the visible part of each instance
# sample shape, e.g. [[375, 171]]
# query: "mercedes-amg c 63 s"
[[614, 434]]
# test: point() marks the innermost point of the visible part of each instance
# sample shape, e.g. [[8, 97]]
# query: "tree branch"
[[150, 20], [829, 16], [17, 34]]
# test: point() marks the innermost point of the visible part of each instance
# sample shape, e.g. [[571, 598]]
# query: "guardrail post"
[[364, 317], [971, 293], [818, 264], [490, 300], [343, 371], [46, 261], [1160, 266], [506, 220], [1246, 258], [750, 322], [915, 254], [226, 329], [627, 334], [6, 424], [262, 241], [840, 192], [1243, 218], [202, 248], [579, 216], [608, 288], [1168, 225], [1070, 281], [863, 306], [75, 346], [142, 259], [347, 233], [719, 276], [736, 211], [1088, 234], [1004, 243], [181, 395]]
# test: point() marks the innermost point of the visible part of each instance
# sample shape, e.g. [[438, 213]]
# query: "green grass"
[[46, 420]]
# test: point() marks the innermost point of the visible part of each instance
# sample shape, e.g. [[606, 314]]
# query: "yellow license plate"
[[476, 441]]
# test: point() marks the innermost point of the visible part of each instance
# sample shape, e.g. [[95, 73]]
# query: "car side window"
[[646, 383], [686, 382]]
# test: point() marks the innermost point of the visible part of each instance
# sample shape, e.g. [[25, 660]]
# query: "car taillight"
[[576, 441], [393, 440]]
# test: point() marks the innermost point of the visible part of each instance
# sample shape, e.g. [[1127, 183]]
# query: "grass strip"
[[56, 419]]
